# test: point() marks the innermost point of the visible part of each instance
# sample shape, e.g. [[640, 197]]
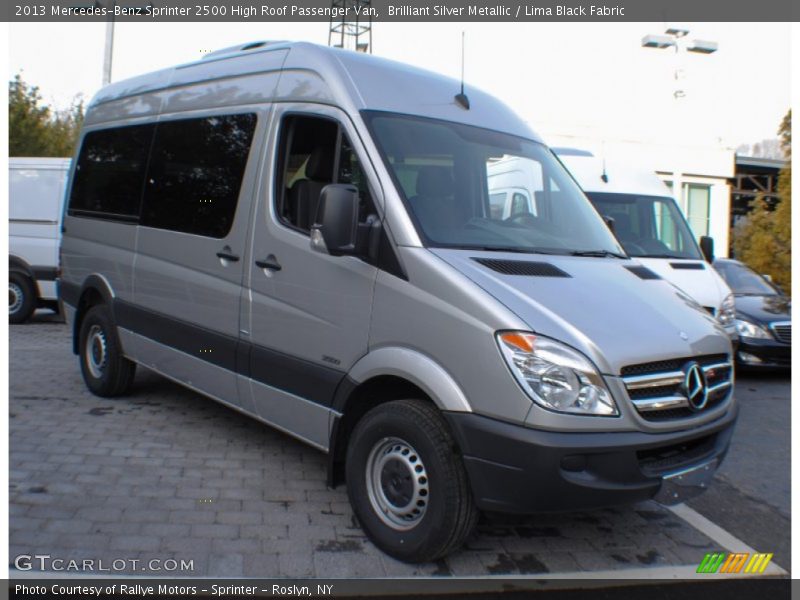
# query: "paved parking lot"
[[167, 474]]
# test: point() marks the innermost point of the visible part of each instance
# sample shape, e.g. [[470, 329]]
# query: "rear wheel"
[[105, 370], [21, 298], [407, 484]]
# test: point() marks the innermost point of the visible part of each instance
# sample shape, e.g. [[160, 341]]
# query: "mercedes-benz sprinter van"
[[652, 229], [305, 234]]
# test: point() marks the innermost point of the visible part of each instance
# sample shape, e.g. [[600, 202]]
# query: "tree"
[[35, 129], [764, 239]]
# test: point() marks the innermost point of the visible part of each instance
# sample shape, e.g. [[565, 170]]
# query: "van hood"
[[695, 277], [599, 307]]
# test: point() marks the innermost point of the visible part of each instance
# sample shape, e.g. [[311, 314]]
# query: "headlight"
[[746, 329], [555, 376], [727, 311]]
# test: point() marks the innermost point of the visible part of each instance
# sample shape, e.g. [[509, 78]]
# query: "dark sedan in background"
[[763, 317]]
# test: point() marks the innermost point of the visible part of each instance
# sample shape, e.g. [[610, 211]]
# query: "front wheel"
[[105, 369], [406, 483]]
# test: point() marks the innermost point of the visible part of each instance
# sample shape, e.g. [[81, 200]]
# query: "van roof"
[[622, 178], [260, 72]]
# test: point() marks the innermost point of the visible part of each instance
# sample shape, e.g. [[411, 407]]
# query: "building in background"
[[754, 177]]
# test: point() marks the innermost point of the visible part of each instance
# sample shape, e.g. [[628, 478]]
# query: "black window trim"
[[136, 219]]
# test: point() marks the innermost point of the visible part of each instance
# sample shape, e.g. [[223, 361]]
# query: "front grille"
[[674, 364], [782, 332], [657, 391], [674, 414]]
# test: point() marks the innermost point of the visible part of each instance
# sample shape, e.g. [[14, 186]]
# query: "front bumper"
[[515, 469], [763, 353]]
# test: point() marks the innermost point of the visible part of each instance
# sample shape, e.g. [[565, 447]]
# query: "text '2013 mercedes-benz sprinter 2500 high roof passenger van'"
[[306, 235]]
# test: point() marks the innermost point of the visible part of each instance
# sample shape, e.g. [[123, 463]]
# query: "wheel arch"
[[95, 290], [384, 375], [19, 265]]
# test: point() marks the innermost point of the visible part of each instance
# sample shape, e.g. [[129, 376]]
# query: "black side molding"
[[297, 376]]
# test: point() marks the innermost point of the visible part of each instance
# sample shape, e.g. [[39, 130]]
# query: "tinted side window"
[[109, 175], [195, 174]]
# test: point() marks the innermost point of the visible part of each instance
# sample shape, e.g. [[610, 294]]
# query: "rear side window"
[[110, 172], [195, 174]]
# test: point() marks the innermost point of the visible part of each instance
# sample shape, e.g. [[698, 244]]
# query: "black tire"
[[449, 513], [105, 370], [22, 298]]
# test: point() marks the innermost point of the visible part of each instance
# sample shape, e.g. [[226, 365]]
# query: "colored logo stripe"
[[721, 562]]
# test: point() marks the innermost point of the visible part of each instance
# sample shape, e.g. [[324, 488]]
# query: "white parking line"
[[714, 532]]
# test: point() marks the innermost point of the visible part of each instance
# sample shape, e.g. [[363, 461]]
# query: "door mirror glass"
[[335, 228], [707, 247]]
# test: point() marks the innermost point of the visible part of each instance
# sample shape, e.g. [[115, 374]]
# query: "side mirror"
[[335, 228], [707, 248], [610, 222]]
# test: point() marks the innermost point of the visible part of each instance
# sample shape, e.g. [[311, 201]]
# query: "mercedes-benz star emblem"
[[695, 386]]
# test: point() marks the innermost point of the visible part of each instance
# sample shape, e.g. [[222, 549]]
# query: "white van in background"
[[652, 229], [36, 197]]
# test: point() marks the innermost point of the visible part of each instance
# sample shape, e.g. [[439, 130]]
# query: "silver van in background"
[[305, 234]]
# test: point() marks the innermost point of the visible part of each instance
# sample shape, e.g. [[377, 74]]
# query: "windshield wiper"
[[663, 256], [597, 253], [518, 249]]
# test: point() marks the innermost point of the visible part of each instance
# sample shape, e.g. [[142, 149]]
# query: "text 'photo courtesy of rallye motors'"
[[307, 235]]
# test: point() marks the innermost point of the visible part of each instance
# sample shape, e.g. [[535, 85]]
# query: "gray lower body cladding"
[[515, 469]]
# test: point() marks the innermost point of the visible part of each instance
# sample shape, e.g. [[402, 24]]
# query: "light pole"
[[108, 50], [676, 38]]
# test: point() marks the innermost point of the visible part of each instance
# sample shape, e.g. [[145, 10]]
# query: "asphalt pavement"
[[167, 474]]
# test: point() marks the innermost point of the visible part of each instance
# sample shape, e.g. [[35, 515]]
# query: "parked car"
[[763, 317], [36, 199], [305, 234], [652, 229]]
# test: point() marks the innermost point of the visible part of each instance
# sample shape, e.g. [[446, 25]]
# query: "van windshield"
[[468, 187], [648, 226]]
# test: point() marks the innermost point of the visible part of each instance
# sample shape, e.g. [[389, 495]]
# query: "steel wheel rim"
[[96, 351], [397, 484], [15, 298]]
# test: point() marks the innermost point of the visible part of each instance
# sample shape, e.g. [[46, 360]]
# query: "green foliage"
[[764, 239], [35, 129]]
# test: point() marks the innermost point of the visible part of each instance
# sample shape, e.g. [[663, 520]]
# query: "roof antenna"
[[604, 176], [461, 98]]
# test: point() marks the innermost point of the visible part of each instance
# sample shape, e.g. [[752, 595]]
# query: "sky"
[[580, 79]]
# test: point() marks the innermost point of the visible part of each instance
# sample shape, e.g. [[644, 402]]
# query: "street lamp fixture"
[[676, 38]]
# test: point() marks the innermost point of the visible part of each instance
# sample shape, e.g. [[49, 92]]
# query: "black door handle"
[[270, 263], [227, 256]]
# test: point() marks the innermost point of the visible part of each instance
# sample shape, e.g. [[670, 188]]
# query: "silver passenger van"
[[305, 235]]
